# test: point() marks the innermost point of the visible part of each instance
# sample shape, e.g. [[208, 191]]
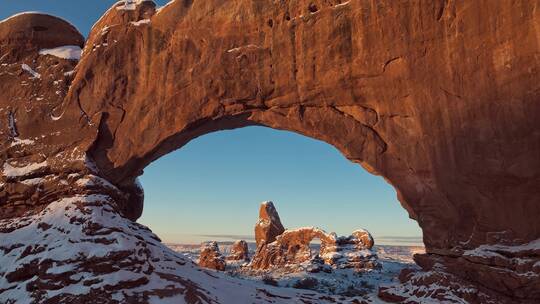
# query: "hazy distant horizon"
[[381, 240]]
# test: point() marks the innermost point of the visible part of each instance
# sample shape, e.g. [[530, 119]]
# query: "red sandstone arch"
[[440, 98]]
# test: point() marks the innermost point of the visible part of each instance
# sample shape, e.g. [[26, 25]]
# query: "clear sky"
[[211, 188]]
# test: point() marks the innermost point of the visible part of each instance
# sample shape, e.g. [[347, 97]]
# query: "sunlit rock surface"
[[292, 247], [438, 97], [239, 251], [211, 257]]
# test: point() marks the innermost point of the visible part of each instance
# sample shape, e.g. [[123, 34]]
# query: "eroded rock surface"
[[239, 251], [438, 97], [269, 225], [293, 247], [352, 251], [210, 257]]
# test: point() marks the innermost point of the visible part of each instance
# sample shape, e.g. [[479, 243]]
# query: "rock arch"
[[431, 96]]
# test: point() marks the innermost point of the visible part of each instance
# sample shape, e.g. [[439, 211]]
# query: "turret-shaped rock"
[[269, 225], [211, 257], [363, 239], [239, 251]]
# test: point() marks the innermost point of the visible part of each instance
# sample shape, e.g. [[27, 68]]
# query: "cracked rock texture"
[[441, 98]]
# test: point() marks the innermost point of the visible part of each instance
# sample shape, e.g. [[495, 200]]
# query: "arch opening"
[[278, 165], [210, 190]]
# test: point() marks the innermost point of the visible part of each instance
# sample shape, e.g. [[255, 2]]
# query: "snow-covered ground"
[[337, 282]]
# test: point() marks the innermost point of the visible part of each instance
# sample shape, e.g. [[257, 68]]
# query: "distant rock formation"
[[210, 257], [269, 225], [239, 251], [292, 247], [352, 251]]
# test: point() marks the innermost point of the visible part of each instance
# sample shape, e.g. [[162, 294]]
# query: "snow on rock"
[[249, 47], [436, 286], [22, 142], [70, 52], [12, 126], [33, 181], [28, 69], [71, 251], [268, 226], [140, 22], [90, 164], [14, 171], [131, 5], [239, 251], [489, 250], [292, 247], [95, 181], [211, 257]]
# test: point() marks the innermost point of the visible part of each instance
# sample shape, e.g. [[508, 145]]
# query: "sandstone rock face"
[[211, 257], [351, 251], [438, 97], [239, 251], [269, 225], [292, 248], [362, 238]]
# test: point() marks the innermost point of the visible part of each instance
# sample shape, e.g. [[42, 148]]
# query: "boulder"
[[352, 251], [210, 256], [239, 251], [362, 239]]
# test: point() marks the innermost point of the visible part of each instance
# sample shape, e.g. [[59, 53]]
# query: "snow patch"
[[11, 171], [33, 181], [342, 4], [141, 22], [28, 69], [21, 142], [131, 5], [12, 125], [487, 251], [70, 52], [246, 47]]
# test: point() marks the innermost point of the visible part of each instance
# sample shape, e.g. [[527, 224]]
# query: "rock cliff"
[[269, 225], [438, 97]]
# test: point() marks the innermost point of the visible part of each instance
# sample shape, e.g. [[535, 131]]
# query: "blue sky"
[[213, 186]]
